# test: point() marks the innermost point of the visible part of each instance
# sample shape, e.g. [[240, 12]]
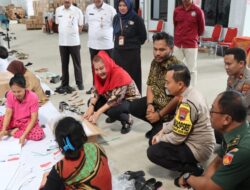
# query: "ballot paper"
[[10, 151]]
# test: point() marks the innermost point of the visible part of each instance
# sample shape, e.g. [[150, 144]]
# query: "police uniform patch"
[[227, 159], [182, 121]]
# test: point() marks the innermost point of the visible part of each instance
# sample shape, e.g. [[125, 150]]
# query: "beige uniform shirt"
[[191, 125]]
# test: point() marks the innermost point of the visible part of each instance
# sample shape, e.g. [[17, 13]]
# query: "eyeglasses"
[[216, 112]]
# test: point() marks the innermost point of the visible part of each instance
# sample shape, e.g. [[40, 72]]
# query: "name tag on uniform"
[[121, 40]]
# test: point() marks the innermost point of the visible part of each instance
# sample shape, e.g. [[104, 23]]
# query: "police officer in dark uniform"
[[238, 73], [238, 77], [230, 170]]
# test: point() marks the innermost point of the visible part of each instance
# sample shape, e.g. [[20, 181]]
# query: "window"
[[159, 9], [216, 12]]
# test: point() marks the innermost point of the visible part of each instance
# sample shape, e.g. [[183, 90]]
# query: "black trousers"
[[65, 52], [138, 108], [173, 157], [94, 52], [130, 61], [119, 112]]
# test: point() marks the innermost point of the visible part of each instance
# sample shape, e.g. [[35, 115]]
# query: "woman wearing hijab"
[[129, 33], [114, 88], [32, 82]]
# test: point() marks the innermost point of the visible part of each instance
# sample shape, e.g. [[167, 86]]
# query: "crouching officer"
[[189, 138], [230, 170]]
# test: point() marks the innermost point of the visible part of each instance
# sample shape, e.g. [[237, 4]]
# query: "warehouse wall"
[[5, 2]]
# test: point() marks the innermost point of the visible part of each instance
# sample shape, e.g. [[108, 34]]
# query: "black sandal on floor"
[[149, 184], [134, 175]]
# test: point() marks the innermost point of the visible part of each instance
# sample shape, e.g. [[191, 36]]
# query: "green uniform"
[[234, 174]]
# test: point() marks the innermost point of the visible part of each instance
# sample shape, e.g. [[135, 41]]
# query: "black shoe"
[[148, 134], [89, 91], [61, 90], [126, 127], [69, 89], [80, 87], [110, 120], [196, 170]]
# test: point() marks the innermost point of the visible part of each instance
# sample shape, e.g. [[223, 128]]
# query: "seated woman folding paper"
[[85, 165], [21, 115], [32, 82], [114, 88]]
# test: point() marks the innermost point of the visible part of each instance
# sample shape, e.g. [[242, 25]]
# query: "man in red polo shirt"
[[189, 24]]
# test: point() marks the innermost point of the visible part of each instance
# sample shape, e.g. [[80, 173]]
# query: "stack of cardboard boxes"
[[11, 12]]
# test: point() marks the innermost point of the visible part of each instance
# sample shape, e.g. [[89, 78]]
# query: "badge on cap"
[[193, 13]]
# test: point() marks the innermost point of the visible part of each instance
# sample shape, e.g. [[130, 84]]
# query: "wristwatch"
[[186, 176]]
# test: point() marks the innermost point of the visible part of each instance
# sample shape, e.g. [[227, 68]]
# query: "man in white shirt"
[[99, 17], [70, 22]]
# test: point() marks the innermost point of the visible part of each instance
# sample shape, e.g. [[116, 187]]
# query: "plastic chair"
[[215, 35], [230, 35], [228, 40], [159, 28]]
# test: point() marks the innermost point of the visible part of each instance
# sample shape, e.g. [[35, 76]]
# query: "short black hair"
[[234, 104], [3, 52], [19, 80], [181, 73], [73, 129], [164, 36], [238, 53]]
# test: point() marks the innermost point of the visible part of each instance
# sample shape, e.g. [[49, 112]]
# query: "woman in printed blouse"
[[114, 88], [85, 165]]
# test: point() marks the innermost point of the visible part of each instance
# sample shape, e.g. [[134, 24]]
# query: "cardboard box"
[[4, 82], [95, 131]]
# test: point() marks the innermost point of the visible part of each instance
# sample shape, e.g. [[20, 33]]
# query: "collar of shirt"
[[190, 8], [70, 8], [239, 131], [102, 7]]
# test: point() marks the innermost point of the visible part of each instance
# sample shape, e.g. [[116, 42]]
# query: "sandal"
[[149, 184], [134, 175], [139, 183]]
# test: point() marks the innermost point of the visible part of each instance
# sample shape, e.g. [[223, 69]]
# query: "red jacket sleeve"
[[201, 23]]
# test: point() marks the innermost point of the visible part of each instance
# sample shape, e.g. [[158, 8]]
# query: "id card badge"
[[121, 40]]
